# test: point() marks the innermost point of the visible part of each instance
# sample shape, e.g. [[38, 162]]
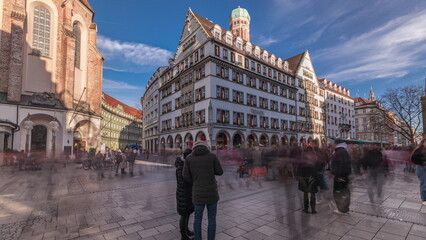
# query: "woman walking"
[[183, 197], [419, 158]]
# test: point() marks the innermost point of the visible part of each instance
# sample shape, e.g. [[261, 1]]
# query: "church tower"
[[239, 22], [371, 97]]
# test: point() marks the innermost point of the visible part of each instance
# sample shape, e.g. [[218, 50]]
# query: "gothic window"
[[77, 53], [41, 31]]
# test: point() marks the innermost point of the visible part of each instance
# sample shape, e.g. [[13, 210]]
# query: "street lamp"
[[28, 125], [54, 126]]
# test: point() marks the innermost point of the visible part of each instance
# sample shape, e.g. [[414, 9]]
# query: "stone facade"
[[339, 110], [121, 124], [225, 90], [37, 55]]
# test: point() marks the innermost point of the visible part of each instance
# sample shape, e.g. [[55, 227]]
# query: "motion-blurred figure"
[[419, 158], [308, 179], [341, 169], [373, 163], [183, 197]]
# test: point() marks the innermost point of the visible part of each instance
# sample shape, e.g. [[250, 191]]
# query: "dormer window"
[[228, 37], [286, 66], [217, 31]]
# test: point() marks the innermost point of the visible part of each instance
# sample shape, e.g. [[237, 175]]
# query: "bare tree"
[[404, 114]]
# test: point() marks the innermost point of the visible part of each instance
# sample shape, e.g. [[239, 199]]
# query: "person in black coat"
[[373, 163], [183, 197], [308, 178], [341, 169]]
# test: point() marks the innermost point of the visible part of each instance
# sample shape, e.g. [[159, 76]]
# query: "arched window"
[[41, 31], [77, 53]]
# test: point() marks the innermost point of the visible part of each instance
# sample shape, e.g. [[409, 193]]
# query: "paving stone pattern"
[[78, 205]]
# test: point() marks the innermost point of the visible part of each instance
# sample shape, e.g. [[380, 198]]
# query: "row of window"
[[238, 118], [183, 65]]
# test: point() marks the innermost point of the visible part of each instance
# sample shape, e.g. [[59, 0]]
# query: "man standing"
[[372, 162], [131, 157], [341, 169], [200, 169]]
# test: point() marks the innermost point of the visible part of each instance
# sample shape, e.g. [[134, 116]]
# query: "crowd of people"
[[307, 164]]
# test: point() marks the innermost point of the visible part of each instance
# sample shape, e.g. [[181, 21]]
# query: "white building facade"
[[223, 89], [339, 111], [150, 105]]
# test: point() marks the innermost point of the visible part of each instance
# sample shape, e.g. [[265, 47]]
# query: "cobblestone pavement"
[[69, 203]]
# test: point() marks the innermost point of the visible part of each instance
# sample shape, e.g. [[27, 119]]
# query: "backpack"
[[417, 157]]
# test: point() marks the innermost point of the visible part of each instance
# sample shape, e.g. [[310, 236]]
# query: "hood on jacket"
[[341, 145], [200, 150]]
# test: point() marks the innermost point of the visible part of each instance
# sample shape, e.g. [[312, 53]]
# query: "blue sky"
[[356, 43]]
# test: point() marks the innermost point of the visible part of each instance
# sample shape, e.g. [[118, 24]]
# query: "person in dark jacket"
[[372, 162], [308, 178], [183, 197], [418, 157], [131, 158], [341, 169], [200, 169]]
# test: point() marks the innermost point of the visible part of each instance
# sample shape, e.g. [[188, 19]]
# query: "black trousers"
[[341, 193], [183, 225]]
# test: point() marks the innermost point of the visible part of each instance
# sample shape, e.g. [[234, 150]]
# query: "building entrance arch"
[[222, 140], [39, 139], [238, 140]]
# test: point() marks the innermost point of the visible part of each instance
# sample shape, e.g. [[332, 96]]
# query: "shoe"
[[305, 210], [339, 212], [424, 203], [314, 212]]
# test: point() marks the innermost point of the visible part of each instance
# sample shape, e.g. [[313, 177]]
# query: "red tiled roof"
[[293, 62], [362, 101], [127, 109]]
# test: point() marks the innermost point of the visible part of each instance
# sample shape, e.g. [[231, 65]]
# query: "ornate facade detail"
[[18, 13], [44, 99]]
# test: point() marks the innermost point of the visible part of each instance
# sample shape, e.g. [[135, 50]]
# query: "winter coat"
[[419, 156], [307, 173], [183, 190], [200, 169], [341, 162], [373, 160], [131, 157]]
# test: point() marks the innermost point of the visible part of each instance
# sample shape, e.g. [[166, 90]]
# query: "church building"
[[50, 76]]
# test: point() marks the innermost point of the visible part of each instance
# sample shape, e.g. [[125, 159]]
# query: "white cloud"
[[137, 53], [111, 85], [266, 41], [115, 69], [388, 51]]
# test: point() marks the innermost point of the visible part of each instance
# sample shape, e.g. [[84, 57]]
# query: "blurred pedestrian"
[[123, 163], [131, 158], [99, 158], [118, 160], [419, 158], [373, 163], [308, 179], [183, 197], [341, 169], [200, 168]]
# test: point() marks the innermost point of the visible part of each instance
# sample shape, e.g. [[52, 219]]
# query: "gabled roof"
[[294, 62], [362, 101], [127, 109], [208, 26]]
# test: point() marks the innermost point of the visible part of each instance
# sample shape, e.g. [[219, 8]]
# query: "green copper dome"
[[239, 12]]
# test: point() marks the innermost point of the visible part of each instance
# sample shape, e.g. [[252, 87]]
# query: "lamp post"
[[54, 126], [28, 125]]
